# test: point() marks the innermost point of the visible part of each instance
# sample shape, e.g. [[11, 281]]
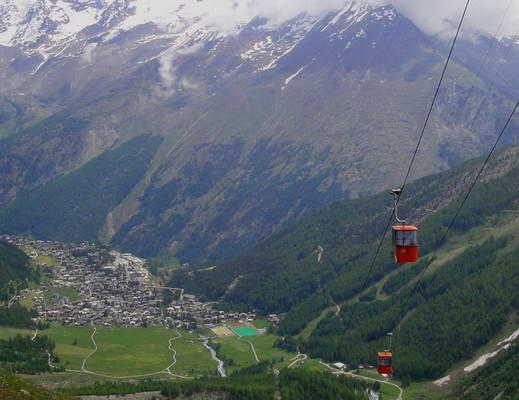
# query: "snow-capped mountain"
[[261, 118], [75, 28]]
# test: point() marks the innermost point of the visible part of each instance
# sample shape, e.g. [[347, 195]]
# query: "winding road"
[[299, 358], [337, 372]]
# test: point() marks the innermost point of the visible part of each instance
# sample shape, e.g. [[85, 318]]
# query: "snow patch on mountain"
[[267, 52], [292, 77]]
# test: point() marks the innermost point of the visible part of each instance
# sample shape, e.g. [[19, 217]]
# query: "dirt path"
[[253, 349], [320, 252], [11, 301], [299, 358]]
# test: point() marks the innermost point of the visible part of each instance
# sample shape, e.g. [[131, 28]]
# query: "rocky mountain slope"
[[261, 121]]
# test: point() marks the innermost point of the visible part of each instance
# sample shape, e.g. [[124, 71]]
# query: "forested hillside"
[[253, 383], [497, 380], [315, 271], [15, 273], [14, 264], [262, 122], [15, 270], [75, 206]]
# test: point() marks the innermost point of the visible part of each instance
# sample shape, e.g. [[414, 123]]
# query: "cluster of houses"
[[92, 284], [203, 314]]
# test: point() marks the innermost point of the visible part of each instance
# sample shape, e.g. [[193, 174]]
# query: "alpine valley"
[[253, 122], [194, 200]]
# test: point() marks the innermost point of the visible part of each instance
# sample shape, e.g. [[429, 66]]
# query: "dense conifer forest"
[[466, 296], [253, 383]]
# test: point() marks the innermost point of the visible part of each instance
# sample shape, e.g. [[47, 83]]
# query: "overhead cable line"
[[460, 207], [433, 103], [422, 132], [467, 195]]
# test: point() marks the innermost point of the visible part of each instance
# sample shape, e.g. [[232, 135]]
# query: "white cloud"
[[438, 17], [168, 66], [441, 17]]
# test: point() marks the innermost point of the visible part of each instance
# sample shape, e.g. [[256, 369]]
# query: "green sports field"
[[244, 331]]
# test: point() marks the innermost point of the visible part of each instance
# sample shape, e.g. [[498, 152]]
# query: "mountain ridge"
[[341, 100]]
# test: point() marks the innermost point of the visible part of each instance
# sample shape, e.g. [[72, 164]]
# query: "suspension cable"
[[431, 108], [467, 195], [422, 132]]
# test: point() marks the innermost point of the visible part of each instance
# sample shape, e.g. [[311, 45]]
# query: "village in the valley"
[[90, 284]]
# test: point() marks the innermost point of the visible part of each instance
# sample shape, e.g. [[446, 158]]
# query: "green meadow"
[[73, 344], [237, 353]]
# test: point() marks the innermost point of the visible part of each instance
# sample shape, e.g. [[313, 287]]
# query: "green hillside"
[[497, 379], [13, 388], [467, 295], [74, 207], [14, 265]]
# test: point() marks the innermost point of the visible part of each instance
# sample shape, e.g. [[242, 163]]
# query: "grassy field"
[[68, 292], [240, 351], [424, 391], [130, 351], [27, 301], [260, 323], [312, 365], [6, 332], [192, 358], [266, 350], [45, 259], [236, 350], [124, 352], [73, 344]]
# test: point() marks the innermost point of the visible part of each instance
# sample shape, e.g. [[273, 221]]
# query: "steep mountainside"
[[314, 272], [74, 207], [262, 121], [496, 380], [15, 270], [14, 265]]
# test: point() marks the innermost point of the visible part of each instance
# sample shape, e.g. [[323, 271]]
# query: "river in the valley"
[[219, 363]]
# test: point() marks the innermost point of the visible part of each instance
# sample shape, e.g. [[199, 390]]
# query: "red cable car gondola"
[[405, 244], [405, 241], [385, 360], [385, 363]]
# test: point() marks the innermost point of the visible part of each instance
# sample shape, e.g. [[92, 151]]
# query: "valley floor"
[[93, 354]]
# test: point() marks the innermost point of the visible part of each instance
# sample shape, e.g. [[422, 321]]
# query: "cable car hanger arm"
[[396, 197]]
